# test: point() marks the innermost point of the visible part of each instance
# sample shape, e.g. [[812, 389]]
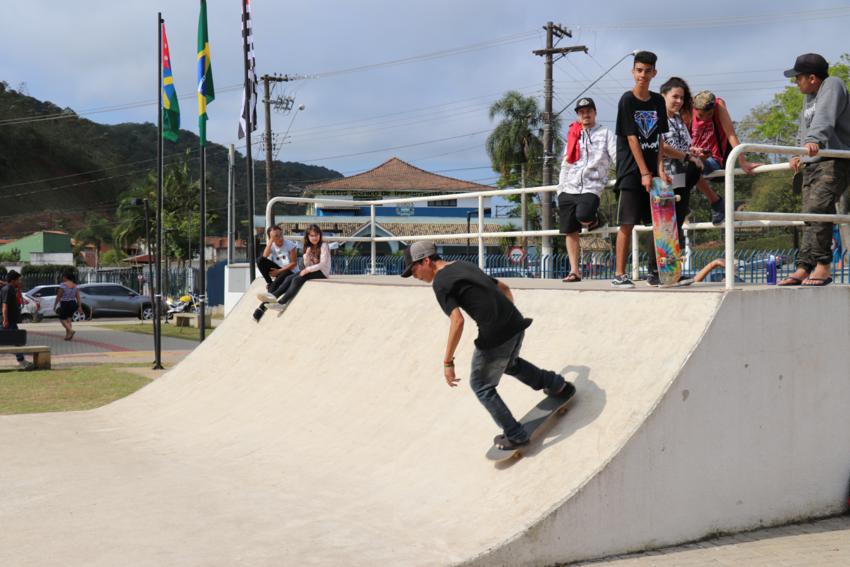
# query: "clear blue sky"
[[105, 55]]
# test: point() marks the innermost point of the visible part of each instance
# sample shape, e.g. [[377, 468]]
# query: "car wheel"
[[85, 315], [146, 313]]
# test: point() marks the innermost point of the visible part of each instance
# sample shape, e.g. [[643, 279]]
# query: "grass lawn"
[[68, 389], [146, 328]]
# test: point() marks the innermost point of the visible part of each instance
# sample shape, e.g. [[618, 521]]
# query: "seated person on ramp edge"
[[501, 328], [317, 265]]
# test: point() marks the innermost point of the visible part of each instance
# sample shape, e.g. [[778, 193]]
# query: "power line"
[[468, 134], [505, 40], [761, 18]]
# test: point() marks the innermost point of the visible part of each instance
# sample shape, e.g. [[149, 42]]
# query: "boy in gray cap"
[[824, 124], [501, 327]]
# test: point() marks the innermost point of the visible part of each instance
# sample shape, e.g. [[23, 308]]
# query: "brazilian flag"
[[206, 90]]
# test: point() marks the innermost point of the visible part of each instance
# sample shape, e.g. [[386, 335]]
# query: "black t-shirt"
[[9, 298], [646, 119], [464, 285]]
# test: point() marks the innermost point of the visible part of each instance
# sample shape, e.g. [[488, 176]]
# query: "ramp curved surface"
[[326, 436]]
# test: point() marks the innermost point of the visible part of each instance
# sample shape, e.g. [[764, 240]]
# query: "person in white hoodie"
[[590, 152]]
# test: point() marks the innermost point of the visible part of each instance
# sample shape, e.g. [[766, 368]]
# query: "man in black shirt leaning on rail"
[[501, 328]]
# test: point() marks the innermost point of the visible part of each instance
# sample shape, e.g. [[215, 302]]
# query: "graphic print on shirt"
[[646, 121]]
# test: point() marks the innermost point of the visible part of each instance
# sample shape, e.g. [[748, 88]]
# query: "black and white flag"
[[252, 77]]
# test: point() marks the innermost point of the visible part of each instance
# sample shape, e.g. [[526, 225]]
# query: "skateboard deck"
[[662, 201], [536, 422]]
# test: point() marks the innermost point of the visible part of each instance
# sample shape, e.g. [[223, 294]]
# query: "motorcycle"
[[188, 303]]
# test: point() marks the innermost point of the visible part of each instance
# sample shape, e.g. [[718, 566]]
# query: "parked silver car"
[[114, 299]]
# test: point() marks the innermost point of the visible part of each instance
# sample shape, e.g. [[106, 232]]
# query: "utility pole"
[[552, 31], [281, 103]]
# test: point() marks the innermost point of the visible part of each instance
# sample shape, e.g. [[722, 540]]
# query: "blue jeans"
[[488, 365], [710, 165]]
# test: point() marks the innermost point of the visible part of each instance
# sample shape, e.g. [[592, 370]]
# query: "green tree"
[[776, 122], [516, 144], [97, 232], [180, 215]]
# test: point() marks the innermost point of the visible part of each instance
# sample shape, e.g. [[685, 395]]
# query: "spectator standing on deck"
[[591, 149], [641, 121], [683, 168], [824, 124]]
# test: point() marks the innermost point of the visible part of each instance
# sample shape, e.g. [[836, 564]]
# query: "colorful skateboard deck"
[[536, 422], [662, 201]]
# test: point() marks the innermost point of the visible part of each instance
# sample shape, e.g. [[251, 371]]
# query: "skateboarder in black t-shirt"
[[501, 327]]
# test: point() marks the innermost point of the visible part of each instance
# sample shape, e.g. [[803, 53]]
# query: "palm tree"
[[515, 146], [97, 231], [130, 227]]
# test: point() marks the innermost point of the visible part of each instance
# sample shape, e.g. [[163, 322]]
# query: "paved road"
[[93, 344], [825, 543]]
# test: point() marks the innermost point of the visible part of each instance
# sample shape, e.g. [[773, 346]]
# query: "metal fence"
[[751, 265], [175, 280]]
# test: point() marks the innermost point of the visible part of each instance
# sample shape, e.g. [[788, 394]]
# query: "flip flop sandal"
[[790, 281], [819, 282], [505, 444], [572, 277]]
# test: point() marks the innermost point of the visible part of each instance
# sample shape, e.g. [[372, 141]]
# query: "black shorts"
[[66, 309], [574, 209], [633, 207]]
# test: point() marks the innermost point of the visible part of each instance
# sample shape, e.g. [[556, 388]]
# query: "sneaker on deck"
[[266, 297], [718, 212], [25, 365], [622, 281], [653, 279]]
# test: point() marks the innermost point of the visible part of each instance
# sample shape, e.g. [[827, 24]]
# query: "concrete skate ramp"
[[326, 436]]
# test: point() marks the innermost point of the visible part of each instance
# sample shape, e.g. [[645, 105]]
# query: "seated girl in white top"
[[317, 265]]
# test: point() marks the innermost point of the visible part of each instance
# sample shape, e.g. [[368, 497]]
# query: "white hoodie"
[[597, 153]]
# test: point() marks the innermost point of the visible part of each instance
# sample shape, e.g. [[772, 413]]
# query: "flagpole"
[[157, 329], [202, 323], [252, 235]]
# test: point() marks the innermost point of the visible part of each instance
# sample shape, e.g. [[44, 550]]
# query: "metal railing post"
[[481, 261], [729, 222], [372, 244]]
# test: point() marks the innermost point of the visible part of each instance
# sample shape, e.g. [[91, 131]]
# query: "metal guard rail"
[[740, 219]]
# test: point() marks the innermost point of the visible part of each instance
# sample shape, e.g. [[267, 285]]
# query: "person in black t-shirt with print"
[[501, 328], [641, 121], [11, 310]]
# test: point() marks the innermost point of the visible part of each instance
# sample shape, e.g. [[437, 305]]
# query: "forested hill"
[[56, 167]]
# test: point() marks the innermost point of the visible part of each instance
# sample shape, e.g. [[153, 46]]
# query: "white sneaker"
[[25, 365], [266, 297]]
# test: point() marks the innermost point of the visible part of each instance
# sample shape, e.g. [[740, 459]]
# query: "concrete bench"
[[190, 320], [40, 354]]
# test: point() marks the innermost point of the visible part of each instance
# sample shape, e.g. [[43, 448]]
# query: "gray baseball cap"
[[415, 252]]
